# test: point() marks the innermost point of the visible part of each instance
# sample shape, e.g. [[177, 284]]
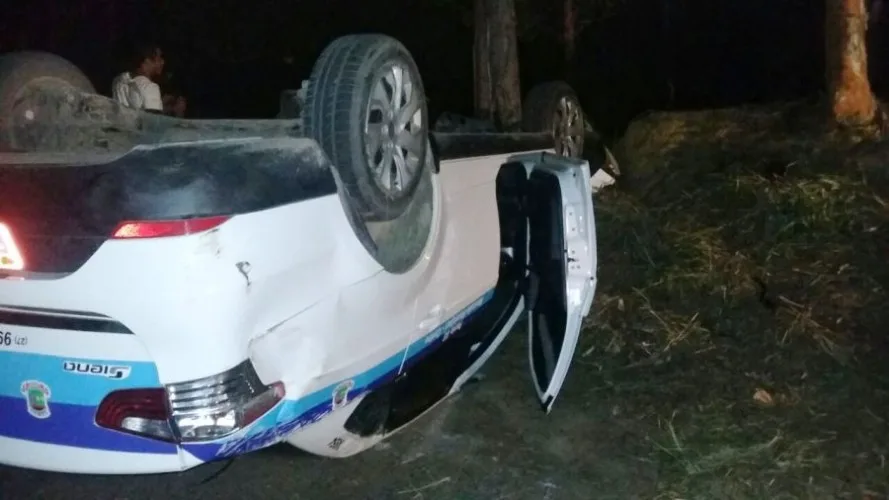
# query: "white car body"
[[293, 290]]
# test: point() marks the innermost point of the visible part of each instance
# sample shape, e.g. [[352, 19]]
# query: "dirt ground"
[[736, 351]]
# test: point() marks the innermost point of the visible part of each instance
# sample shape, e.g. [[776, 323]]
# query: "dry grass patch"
[[742, 310]]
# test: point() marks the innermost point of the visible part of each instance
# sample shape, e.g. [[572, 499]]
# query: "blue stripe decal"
[[291, 415], [70, 387], [74, 397], [71, 425], [71, 401]]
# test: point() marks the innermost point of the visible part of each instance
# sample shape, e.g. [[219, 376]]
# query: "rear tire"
[[366, 107], [20, 70], [554, 107]]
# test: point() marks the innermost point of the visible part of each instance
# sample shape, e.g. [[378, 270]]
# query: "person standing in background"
[[138, 88]]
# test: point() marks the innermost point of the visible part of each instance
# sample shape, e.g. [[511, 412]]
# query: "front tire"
[[554, 107]]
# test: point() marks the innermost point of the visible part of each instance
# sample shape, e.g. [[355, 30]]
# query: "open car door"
[[562, 263]]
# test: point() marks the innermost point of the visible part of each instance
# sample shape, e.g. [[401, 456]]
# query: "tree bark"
[[505, 64], [569, 37], [481, 59], [668, 48], [852, 101]]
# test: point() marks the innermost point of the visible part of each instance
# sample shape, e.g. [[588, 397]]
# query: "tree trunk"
[[505, 64], [481, 59], [668, 48], [569, 37], [852, 102]]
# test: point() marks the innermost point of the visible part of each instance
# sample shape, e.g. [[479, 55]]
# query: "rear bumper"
[[48, 410], [69, 459], [152, 305]]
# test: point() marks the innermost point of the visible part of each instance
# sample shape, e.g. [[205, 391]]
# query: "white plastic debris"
[[600, 180]]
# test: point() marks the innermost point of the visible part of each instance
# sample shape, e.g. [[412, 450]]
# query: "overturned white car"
[[174, 292]]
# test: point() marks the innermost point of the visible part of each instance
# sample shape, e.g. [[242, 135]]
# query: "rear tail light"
[[199, 410], [166, 228], [10, 256], [216, 406], [136, 411]]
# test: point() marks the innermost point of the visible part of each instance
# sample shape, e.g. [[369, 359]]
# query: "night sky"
[[231, 58]]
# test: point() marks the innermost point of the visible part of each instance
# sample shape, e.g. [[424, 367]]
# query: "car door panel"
[[461, 263], [472, 238], [562, 268]]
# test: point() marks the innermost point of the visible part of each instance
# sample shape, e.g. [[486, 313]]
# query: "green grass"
[[741, 319]]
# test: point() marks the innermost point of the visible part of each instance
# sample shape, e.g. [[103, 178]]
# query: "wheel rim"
[[568, 127], [395, 129]]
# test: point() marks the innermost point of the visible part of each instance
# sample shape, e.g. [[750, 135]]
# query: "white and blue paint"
[[72, 403], [75, 397], [290, 415]]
